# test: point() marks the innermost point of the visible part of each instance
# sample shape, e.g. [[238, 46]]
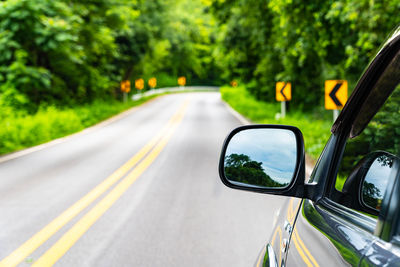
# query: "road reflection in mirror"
[[261, 157]]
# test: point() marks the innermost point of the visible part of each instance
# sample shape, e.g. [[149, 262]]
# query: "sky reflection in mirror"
[[276, 149]]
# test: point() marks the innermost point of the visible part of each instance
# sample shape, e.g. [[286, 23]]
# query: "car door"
[[354, 221], [276, 250]]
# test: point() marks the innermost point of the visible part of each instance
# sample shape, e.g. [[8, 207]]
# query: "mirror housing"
[[366, 185], [295, 187]]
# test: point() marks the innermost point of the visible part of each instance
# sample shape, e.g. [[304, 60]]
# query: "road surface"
[[140, 190]]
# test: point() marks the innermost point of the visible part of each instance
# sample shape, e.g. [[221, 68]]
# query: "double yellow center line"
[[151, 149], [304, 253]]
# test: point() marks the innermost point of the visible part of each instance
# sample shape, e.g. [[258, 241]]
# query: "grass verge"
[[315, 127], [19, 131]]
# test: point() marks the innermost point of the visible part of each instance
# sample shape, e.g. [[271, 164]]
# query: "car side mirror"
[[368, 182], [264, 158]]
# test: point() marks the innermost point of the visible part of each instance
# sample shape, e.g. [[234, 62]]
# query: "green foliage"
[[65, 59], [305, 42], [382, 133], [242, 101], [371, 195], [19, 130], [384, 130], [186, 46], [70, 52], [240, 168]]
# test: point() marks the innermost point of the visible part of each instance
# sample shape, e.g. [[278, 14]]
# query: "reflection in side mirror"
[[376, 179], [261, 157]]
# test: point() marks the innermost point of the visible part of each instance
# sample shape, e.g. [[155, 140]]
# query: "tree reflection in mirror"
[[376, 180], [261, 157]]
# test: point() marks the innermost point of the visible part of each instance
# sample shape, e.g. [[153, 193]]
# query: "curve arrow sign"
[[335, 94], [282, 93], [332, 95]]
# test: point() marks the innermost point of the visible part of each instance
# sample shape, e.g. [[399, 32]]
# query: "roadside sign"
[[335, 94], [283, 91], [182, 81], [152, 82], [126, 86], [139, 84]]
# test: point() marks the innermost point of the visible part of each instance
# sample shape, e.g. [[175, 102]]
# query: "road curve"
[[142, 190]]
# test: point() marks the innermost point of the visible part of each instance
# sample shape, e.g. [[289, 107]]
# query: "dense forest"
[[68, 51], [66, 54], [305, 42]]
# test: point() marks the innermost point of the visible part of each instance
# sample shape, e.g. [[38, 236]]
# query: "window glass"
[[367, 162]]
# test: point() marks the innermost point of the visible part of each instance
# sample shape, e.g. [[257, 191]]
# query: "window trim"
[[352, 216]]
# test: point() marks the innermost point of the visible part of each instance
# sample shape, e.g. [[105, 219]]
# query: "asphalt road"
[[140, 190]]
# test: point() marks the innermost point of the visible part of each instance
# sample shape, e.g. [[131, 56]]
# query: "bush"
[[19, 130]]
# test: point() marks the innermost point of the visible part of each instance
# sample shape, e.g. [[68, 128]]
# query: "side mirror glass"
[[260, 157], [380, 169], [366, 186]]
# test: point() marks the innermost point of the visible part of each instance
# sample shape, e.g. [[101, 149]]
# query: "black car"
[[347, 211]]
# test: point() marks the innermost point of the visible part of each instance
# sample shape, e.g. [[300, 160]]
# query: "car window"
[[368, 160]]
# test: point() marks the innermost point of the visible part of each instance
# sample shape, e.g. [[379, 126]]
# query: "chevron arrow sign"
[[335, 94], [283, 91]]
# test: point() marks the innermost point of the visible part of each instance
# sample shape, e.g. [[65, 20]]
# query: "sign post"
[[125, 89], [283, 93], [335, 96]]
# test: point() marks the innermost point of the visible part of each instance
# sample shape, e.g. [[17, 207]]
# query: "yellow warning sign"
[[182, 81], [152, 82], [335, 94], [283, 91], [126, 86], [139, 84]]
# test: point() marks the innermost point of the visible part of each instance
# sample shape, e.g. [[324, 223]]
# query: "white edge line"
[[237, 115]]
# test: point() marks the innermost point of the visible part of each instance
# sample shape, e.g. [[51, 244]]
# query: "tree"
[[240, 168], [371, 195], [305, 42]]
